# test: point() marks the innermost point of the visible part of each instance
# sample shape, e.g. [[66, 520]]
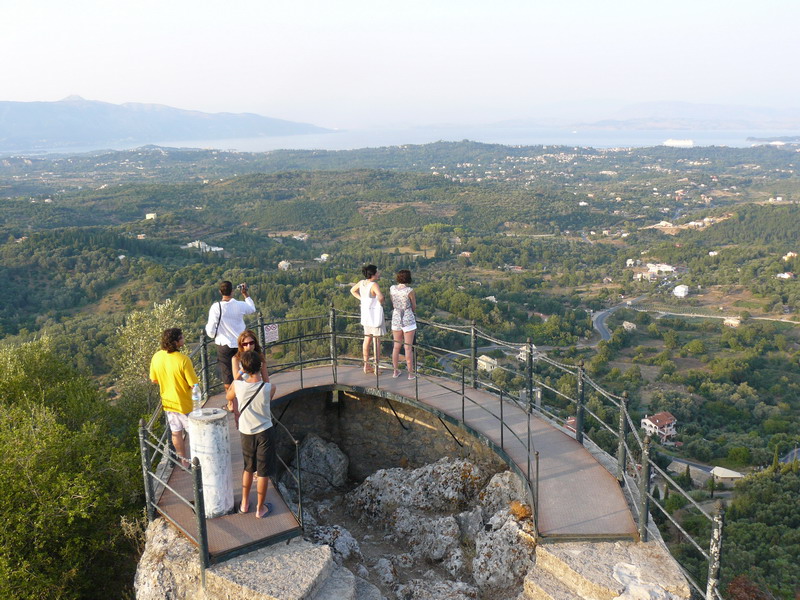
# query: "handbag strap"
[[251, 397], [219, 320]]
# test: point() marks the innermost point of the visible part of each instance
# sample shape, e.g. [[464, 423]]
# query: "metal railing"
[[159, 460], [335, 338]]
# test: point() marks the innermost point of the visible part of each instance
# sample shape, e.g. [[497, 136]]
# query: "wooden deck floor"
[[578, 498], [234, 533]]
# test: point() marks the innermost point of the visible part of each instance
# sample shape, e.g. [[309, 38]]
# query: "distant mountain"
[[75, 122]]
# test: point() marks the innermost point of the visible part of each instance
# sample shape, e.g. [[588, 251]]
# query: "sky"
[[361, 64]]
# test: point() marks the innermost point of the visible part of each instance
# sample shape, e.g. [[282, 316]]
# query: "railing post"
[[204, 365], [528, 411], [536, 498], [200, 514], [579, 413], [622, 432], [260, 332], [529, 370], [463, 384], [332, 327], [644, 490], [473, 354], [149, 495], [715, 553], [299, 483], [502, 422], [300, 359]]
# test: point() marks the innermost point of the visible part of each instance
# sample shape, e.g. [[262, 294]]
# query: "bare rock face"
[[170, 568], [444, 486], [323, 465], [436, 539], [343, 543], [503, 554], [424, 589], [502, 489]]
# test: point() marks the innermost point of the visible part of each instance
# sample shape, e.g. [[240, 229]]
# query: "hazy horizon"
[[358, 64]]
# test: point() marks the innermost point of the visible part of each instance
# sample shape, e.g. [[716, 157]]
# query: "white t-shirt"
[[257, 416], [231, 325]]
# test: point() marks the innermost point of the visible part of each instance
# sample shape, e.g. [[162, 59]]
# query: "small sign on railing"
[[270, 333]]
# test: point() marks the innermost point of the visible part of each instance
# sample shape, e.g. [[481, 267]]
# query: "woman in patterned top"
[[404, 323]]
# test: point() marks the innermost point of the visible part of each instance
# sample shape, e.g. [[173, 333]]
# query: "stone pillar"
[[210, 443]]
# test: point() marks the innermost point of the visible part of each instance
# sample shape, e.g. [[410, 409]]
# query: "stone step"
[[607, 570], [341, 585], [540, 584]]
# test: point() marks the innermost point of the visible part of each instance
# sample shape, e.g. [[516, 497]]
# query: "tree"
[[136, 342], [66, 479]]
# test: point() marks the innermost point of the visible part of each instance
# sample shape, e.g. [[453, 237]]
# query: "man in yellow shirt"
[[175, 376]]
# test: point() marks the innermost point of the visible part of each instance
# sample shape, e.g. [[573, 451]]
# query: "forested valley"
[[527, 242]]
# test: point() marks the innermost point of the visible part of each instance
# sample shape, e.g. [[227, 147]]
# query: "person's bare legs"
[[365, 353], [409, 351], [180, 448], [261, 508], [247, 481], [376, 350], [398, 341]]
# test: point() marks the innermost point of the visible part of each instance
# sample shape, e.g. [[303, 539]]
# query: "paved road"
[[599, 318], [691, 463]]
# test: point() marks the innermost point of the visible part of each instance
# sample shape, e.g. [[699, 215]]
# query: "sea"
[[510, 136]]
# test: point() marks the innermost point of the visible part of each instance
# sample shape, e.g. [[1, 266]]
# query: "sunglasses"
[[248, 343]]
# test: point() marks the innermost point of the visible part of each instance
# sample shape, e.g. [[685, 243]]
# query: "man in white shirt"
[[225, 323]]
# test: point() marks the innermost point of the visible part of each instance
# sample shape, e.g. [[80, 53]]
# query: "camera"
[[242, 286]]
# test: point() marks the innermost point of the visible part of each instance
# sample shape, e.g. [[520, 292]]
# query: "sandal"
[[268, 506], [396, 374]]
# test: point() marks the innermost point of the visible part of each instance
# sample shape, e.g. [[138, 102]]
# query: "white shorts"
[[406, 328], [177, 421]]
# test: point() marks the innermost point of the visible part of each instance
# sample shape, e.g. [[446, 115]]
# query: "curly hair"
[[170, 338], [403, 276]]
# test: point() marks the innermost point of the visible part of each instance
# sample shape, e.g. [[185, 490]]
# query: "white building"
[[202, 246], [661, 424], [725, 476], [628, 326], [150, 216], [681, 291], [522, 356], [487, 363], [322, 258], [284, 265]]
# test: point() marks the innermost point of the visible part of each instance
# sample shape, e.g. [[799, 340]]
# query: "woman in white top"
[[249, 399], [404, 323], [369, 293]]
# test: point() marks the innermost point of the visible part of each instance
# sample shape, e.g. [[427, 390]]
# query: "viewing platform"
[[579, 498]]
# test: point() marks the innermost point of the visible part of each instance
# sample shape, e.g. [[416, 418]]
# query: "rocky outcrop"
[[444, 486], [429, 589], [170, 568], [439, 532], [323, 467], [503, 553]]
